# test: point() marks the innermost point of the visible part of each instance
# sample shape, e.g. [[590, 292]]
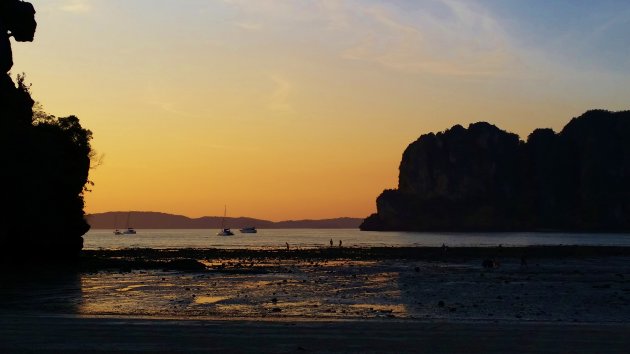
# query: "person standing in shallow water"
[[331, 242], [287, 245], [340, 243]]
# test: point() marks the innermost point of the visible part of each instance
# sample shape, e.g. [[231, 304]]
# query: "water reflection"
[[285, 289], [204, 300]]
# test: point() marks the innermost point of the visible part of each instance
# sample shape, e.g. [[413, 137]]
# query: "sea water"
[[312, 238]]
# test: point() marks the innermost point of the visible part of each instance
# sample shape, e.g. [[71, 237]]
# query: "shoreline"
[[188, 258]]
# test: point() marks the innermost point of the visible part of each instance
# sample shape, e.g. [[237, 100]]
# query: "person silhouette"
[[287, 245], [340, 243], [331, 242]]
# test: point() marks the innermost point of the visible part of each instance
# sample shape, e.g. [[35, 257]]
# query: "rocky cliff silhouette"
[[45, 161], [486, 179]]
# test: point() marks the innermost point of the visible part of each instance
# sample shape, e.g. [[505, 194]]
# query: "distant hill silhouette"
[[155, 220], [486, 179]]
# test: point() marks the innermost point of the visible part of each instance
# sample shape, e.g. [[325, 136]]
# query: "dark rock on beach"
[[482, 178]]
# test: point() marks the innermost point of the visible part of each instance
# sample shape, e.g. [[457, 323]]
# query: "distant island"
[[156, 220], [482, 178]]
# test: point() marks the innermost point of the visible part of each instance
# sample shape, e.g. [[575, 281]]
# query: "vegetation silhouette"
[[45, 161], [486, 179]]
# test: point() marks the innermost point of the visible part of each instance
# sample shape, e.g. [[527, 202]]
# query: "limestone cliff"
[[486, 179]]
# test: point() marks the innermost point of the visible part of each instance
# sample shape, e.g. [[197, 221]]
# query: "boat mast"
[[224, 214]]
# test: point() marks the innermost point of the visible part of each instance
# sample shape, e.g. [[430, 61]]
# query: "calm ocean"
[[309, 238]]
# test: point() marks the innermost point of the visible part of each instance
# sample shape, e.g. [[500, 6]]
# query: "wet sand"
[[389, 299], [106, 335]]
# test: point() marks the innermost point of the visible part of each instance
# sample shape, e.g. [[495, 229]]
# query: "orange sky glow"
[[290, 109]]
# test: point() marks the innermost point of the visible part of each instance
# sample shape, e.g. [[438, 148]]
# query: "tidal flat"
[[535, 284], [328, 300]]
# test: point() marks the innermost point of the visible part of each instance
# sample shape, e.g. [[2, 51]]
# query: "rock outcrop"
[[45, 162], [486, 179]]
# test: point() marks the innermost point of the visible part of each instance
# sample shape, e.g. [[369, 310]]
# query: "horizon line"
[[218, 216]]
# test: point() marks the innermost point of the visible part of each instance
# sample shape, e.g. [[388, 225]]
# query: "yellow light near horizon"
[[284, 110]]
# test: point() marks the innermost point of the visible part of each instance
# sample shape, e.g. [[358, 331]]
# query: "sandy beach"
[[560, 299], [105, 335]]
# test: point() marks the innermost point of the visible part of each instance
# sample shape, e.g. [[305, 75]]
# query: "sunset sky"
[[302, 109]]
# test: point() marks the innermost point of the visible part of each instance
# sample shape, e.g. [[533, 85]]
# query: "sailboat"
[[224, 231], [116, 231], [130, 230]]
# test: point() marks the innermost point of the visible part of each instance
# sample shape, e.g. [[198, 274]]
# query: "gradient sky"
[[302, 109]]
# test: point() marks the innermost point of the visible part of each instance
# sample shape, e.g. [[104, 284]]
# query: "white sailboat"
[[224, 231], [130, 230]]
